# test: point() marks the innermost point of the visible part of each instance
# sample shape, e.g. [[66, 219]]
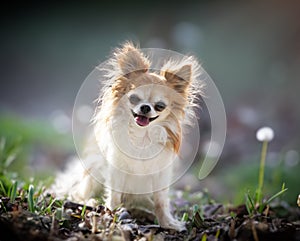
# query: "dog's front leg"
[[162, 211], [114, 182], [113, 199]]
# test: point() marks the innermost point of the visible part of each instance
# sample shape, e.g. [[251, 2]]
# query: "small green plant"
[[185, 217], [265, 135], [30, 199], [2, 189], [197, 216], [13, 191], [48, 205], [83, 211]]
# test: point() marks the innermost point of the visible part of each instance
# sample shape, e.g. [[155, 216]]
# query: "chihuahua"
[[138, 129]]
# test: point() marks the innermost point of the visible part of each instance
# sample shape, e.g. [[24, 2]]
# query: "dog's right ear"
[[131, 60]]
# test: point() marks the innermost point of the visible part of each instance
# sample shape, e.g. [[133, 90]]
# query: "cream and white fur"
[[131, 141]]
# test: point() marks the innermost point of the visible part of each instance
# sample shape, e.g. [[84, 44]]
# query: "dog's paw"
[[92, 202], [174, 224]]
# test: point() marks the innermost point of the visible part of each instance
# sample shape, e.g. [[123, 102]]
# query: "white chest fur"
[[137, 157]]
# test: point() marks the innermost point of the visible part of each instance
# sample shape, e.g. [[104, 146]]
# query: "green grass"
[[23, 138], [30, 199], [32, 132], [12, 192], [11, 184], [241, 179], [19, 140]]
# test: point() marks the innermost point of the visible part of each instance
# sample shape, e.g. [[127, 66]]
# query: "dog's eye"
[[134, 99], [160, 106]]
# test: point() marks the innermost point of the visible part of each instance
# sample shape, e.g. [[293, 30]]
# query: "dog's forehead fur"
[[146, 79], [149, 78], [136, 82]]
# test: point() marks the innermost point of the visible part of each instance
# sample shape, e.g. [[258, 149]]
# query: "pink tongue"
[[142, 120]]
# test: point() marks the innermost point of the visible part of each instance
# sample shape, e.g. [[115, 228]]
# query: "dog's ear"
[[179, 79], [131, 60]]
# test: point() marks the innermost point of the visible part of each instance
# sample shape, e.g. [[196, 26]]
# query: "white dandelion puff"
[[265, 134]]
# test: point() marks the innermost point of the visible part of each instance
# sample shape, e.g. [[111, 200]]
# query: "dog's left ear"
[[131, 60], [179, 79]]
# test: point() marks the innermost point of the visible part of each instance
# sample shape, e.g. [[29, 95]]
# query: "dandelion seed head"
[[265, 134]]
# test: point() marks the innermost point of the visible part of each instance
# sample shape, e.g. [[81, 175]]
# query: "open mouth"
[[142, 120]]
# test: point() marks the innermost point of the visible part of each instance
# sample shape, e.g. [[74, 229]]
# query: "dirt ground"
[[74, 222]]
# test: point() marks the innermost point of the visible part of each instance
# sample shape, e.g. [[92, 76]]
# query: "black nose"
[[145, 109]]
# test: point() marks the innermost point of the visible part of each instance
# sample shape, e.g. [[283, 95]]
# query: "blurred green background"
[[251, 49]]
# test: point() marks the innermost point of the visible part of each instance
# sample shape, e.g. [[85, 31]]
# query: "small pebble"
[[124, 215]]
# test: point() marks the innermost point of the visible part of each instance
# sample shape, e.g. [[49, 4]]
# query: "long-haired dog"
[[138, 131]]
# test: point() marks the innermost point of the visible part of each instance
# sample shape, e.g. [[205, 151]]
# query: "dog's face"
[[146, 107], [149, 103]]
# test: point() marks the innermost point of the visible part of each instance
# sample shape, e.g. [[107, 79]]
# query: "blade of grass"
[[197, 218], [276, 195], [13, 191], [261, 208], [31, 199], [10, 159], [185, 217], [47, 209], [83, 211], [3, 188], [250, 204], [58, 214], [204, 237], [2, 205], [9, 152]]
